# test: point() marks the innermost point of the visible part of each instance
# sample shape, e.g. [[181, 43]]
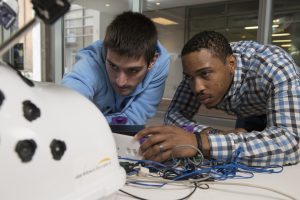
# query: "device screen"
[[130, 130]]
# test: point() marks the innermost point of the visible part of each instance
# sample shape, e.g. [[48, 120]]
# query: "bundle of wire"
[[198, 168], [194, 172]]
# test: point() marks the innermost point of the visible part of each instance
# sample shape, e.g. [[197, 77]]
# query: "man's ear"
[[153, 61], [231, 63]]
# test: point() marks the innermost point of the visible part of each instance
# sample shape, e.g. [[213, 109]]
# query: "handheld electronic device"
[[127, 146]]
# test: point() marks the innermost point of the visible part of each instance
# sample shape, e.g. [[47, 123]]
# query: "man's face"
[[208, 76], [125, 73]]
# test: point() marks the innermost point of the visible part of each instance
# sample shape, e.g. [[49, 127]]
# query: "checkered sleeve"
[[279, 142], [183, 107]]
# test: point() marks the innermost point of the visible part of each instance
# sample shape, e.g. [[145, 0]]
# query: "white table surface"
[[288, 181]]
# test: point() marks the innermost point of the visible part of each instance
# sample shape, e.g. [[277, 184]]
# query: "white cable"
[[250, 185], [200, 181], [161, 180]]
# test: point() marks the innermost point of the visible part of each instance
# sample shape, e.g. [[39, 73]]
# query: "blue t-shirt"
[[89, 77]]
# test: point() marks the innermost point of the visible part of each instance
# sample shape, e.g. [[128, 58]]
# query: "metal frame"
[[57, 50], [265, 21], [137, 6]]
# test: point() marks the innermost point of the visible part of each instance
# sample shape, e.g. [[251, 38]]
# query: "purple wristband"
[[188, 128], [119, 120]]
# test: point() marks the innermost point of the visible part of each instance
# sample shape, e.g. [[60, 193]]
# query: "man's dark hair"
[[215, 42], [133, 35]]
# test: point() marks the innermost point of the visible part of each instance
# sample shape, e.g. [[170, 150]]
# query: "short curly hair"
[[215, 42]]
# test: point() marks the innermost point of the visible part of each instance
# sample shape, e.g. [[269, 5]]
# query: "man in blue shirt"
[[124, 75], [243, 79]]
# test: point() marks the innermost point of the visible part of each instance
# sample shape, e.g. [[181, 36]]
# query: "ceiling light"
[[107, 4], [163, 21], [281, 40], [256, 27], [251, 27], [286, 45], [280, 34], [157, 3]]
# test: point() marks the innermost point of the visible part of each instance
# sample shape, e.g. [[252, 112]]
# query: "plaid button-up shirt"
[[266, 81]]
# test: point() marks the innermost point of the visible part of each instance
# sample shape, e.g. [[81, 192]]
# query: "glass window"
[[25, 49], [237, 20], [231, 18], [86, 22], [206, 11], [80, 30], [286, 27]]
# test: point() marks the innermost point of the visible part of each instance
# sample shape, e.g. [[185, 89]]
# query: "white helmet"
[[54, 143]]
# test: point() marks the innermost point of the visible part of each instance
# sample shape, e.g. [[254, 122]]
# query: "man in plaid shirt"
[[243, 79]]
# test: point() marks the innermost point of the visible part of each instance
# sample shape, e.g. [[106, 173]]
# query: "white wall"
[[172, 38], [105, 19]]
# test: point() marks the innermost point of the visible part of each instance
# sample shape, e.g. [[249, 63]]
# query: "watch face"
[[213, 131]]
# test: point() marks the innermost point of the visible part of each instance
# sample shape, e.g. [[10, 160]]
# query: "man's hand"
[[161, 140]]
